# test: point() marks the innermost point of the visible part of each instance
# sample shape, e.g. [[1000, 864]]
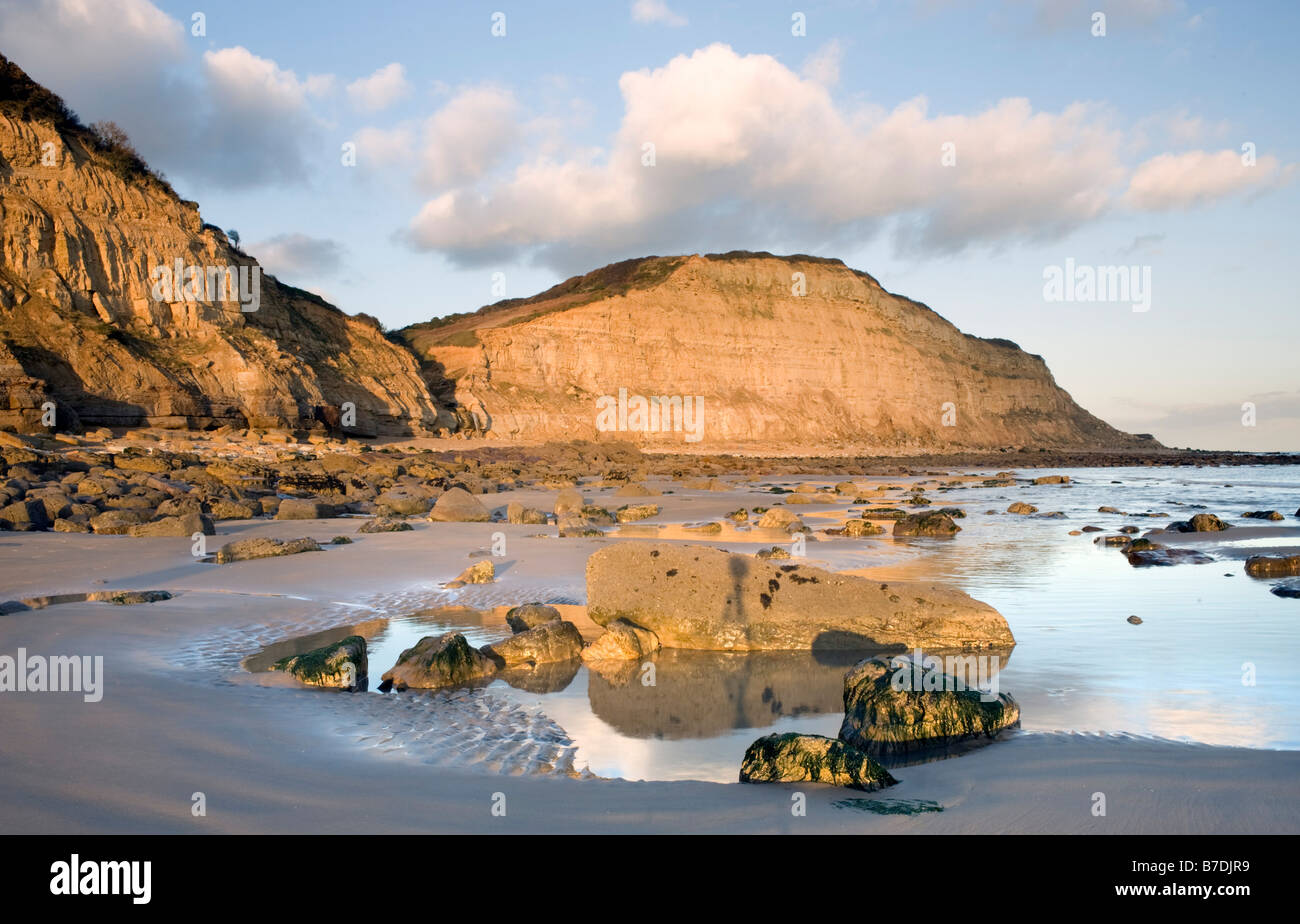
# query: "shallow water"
[[1214, 660]]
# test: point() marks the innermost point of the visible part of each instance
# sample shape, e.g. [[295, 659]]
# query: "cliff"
[[86, 230], [785, 353]]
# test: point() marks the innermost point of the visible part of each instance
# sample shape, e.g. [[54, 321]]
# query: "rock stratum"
[[845, 363], [85, 227]]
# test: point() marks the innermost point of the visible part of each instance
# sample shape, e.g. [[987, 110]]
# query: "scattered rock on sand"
[[1142, 553], [1263, 515], [880, 719], [247, 549], [544, 644], [481, 572], [926, 524], [456, 505], [630, 513], [1052, 479], [776, 551], [782, 519], [528, 516], [705, 598], [129, 597], [1273, 565], [794, 758], [1135, 620], [341, 665], [1022, 508], [439, 661], [530, 616], [385, 524], [622, 641]]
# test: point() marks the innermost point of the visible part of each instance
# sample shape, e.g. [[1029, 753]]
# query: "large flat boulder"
[[705, 598]]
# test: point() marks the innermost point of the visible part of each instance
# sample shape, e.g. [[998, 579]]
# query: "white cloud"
[[381, 89], [1172, 181], [656, 11], [823, 65], [468, 136]]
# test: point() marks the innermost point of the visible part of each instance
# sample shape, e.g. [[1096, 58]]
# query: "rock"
[[706, 598], [304, 508], [776, 551], [880, 719], [795, 758], [1135, 620], [549, 642], [439, 661], [1262, 515], [1142, 553], [569, 501], [1286, 589], [456, 505], [1273, 565], [71, 525], [885, 513], [117, 522], [1205, 523], [859, 528], [636, 489], [518, 513], [530, 616], [1052, 479], [25, 515], [232, 510], [782, 519], [385, 525], [481, 572], [1022, 508], [129, 597], [622, 641], [926, 524], [185, 526], [1110, 510], [342, 665], [406, 500], [248, 549], [630, 513]]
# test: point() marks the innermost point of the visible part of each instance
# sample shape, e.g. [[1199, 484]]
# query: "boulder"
[[544, 644], [185, 525], [518, 513], [885, 716], [481, 572], [1052, 479], [1262, 515], [569, 501], [439, 661], [794, 758], [1205, 523], [1022, 508], [705, 598], [622, 641], [1273, 565], [118, 522], [1286, 589], [341, 665], [926, 524], [385, 524], [247, 549], [456, 505], [305, 508], [630, 513], [782, 519], [530, 616], [25, 515]]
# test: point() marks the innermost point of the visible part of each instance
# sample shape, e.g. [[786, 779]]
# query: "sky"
[[415, 159]]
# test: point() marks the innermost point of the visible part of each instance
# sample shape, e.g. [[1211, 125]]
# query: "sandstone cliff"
[[842, 364], [83, 225]]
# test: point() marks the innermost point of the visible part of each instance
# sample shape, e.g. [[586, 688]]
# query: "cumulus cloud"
[[241, 121], [468, 135], [1173, 181], [656, 11], [381, 89], [290, 256]]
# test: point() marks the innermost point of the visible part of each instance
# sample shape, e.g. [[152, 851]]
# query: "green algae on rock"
[[795, 758], [342, 664]]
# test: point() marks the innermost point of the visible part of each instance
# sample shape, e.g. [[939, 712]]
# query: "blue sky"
[[522, 155]]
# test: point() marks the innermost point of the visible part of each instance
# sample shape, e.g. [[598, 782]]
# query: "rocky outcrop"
[[87, 230], [342, 664], [793, 758], [845, 362], [705, 598], [882, 716]]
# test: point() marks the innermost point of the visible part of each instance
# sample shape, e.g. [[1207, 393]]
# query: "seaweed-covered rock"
[[883, 716], [342, 665], [544, 644], [384, 524], [439, 661], [926, 524], [794, 758], [530, 616]]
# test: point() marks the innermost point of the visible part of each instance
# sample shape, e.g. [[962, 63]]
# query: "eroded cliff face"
[[843, 365], [80, 326]]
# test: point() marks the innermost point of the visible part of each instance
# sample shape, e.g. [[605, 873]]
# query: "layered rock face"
[[81, 249], [845, 363]]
